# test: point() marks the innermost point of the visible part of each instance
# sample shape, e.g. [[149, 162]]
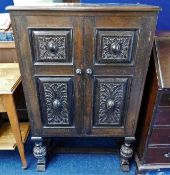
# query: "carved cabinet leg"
[[126, 153], [39, 152]]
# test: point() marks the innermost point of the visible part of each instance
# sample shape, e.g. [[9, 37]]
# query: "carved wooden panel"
[[51, 45], [109, 101], [115, 46], [56, 100]]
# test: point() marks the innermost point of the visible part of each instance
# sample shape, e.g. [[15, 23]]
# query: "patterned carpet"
[[70, 164]]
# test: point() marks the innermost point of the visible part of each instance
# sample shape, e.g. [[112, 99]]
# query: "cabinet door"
[[51, 67], [116, 60]]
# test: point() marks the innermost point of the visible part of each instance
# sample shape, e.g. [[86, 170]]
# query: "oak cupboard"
[[83, 69]]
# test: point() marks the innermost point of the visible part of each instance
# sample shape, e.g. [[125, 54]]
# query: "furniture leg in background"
[[10, 79], [13, 119]]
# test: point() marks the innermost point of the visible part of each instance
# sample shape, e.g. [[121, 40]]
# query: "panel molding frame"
[[97, 60], [55, 31], [69, 81], [128, 84]]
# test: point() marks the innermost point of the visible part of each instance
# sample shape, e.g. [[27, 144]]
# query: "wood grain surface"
[[9, 77]]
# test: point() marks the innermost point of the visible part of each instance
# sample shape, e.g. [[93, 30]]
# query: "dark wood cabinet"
[[83, 68], [153, 138]]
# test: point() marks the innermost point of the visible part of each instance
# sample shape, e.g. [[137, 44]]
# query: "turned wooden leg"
[[9, 104], [126, 153], [39, 152]]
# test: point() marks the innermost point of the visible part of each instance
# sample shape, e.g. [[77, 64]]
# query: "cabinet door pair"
[[87, 72]]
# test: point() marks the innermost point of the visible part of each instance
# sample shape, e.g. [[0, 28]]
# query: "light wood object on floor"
[[10, 78], [7, 139]]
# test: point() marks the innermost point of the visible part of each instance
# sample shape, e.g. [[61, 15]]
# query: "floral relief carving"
[[109, 109], [115, 47], [51, 45], [56, 100], [58, 50]]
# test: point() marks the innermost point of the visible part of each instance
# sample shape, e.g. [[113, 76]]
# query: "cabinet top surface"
[[84, 7], [162, 44]]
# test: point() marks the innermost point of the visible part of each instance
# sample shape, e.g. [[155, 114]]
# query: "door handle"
[[89, 71], [78, 71], [167, 155]]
